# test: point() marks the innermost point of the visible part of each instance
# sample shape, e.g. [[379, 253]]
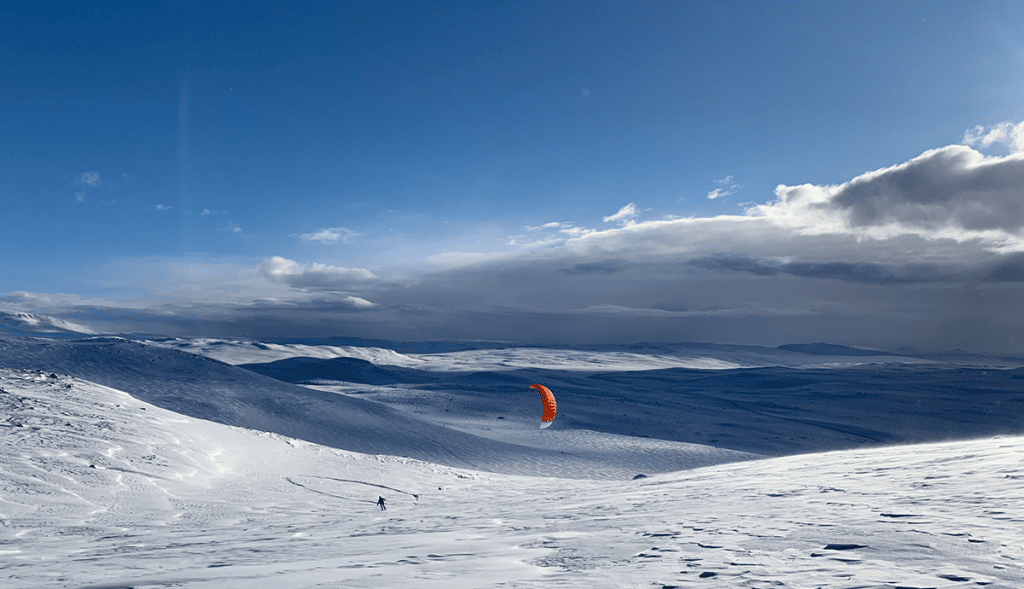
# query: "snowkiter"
[[380, 502]]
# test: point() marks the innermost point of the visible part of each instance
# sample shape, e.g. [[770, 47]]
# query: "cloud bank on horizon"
[[930, 247]]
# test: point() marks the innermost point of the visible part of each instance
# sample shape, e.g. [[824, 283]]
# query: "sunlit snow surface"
[[507, 358], [149, 482], [102, 490]]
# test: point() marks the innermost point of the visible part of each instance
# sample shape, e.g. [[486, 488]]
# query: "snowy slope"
[[203, 388], [771, 410], [27, 324], [100, 489], [469, 418]]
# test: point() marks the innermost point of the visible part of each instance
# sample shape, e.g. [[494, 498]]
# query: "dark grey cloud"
[[596, 267], [955, 185], [736, 264], [1010, 269], [716, 300], [954, 192], [1002, 269], [862, 272]]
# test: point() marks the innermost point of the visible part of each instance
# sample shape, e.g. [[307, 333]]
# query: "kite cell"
[[549, 405]]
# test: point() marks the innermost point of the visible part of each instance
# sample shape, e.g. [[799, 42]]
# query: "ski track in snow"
[[102, 490]]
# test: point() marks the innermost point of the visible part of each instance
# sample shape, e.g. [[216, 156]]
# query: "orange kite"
[[549, 405]]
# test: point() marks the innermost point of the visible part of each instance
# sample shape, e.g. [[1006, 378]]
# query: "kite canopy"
[[549, 405]]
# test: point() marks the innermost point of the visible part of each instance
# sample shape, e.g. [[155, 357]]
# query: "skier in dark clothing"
[[380, 501]]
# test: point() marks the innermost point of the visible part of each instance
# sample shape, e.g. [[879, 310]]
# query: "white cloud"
[[953, 192], [1005, 133], [537, 242], [625, 214], [457, 259], [728, 187], [331, 235], [231, 226], [357, 303], [318, 277], [32, 302], [551, 225], [161, 207], [576, 231], [79, 197], [193, 278], [89, 178], [562, 227]]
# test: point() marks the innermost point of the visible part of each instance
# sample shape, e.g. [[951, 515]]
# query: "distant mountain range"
[[386, 352], [821, 349]]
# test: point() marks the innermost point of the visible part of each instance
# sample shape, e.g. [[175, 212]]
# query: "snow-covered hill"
[[767, 410], [487, 419], [496, 356], [132, 465], [101, 489], [27, 324], [203, 388]]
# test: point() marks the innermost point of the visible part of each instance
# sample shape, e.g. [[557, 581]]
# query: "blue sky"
[[525, 171]]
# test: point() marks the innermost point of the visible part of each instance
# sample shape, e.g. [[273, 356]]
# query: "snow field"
[[102, 490], [510, 357], [203, 388]]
